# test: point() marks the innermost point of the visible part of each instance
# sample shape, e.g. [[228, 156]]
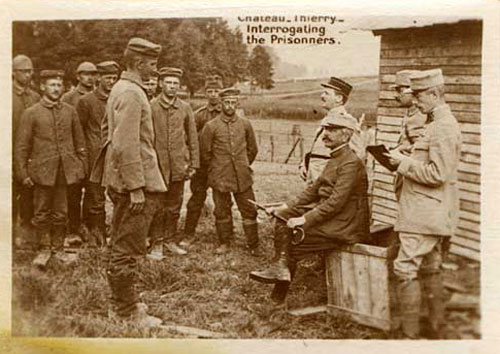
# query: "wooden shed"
[[455, 47]]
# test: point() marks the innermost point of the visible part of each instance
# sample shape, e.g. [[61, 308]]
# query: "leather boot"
[[192, 218], [250, 228], [97, 230], [224, 234], [57, 237], [278, 270], [280, 290], [432, 285], [408, 292], [123, 294]]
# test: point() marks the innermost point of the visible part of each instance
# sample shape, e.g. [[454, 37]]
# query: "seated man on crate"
[[332, 211]]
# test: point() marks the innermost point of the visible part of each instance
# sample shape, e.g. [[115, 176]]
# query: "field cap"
[[167, 71], [337, 119], [108, 67], [52, 74], [229, 92], [213, 81], [423, 80], [403, 78], [144, 47], [338, 85], [21, 62], [86, 66]]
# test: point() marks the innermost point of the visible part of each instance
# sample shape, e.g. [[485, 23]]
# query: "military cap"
[[423, 80], [51, 74], [338, 85], [22, 62], [213, 81], [108, 67], [166, 71], [144, 47], [339, 120], [229, 92], [403, 78], [86, 66]]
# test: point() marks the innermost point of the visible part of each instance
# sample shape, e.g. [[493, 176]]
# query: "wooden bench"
[[360, 281]]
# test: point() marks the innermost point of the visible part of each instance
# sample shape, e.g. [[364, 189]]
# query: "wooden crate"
[[360, 281]]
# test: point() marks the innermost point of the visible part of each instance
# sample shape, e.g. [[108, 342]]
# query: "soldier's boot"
[[57, 244], [125, 304], [250, 228], [172, 245], [278, 270], [192, 217], [432, 284], [408, 292], [97, 230], [224, 234], [280, 290], [42, 240]]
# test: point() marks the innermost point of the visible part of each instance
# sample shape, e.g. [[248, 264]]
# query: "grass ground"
[[200, 290]]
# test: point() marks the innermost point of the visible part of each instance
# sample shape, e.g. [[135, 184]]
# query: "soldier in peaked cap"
[[152, 86], [412, 125], [91, 110], [50, 155], [333, 210], [198, 185], [428, 205], [335, 95], [85, 74], [228, 148], [22, 98], [128, 167], [176, 143]]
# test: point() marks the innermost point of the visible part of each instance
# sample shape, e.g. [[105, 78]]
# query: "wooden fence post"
[[271, 137]]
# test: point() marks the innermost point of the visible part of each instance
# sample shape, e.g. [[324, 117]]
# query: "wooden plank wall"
[[456, 49]]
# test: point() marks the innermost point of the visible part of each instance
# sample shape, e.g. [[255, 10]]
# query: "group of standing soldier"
[[140, 150]]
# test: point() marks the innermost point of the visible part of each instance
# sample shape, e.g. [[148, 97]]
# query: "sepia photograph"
[[278, 175]]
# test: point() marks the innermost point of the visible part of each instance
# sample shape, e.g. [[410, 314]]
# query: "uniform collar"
[[338, 109], [338, 150], [49, 103], [166, 104], [19, 90], [100, 94], [133, 77], [214, 107], [227, 119]]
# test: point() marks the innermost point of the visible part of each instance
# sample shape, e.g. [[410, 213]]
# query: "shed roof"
[[396, 22]]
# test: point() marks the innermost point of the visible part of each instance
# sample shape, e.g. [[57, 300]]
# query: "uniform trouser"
[[74, 207], [51, 210], [128, 243], [94, 204], [199, 186], [419, 258], [223, 215], [22, 203], [172, 210]]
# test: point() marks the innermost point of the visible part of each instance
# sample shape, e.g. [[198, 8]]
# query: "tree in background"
[[200, 46], [260, 68]]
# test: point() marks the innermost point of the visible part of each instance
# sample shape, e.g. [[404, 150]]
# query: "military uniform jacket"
[[228, 148], [72, 97], [337, 202], [91, 110], [22, 98], [49, 136], [176, 139], [128, 160], [205, 114], [429, 197], [412, 128]]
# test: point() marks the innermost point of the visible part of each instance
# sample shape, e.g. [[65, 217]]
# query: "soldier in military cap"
[[412, 126], [151, 86], [128, 167], [86, 75], [334, 96], [50, 155], [333, 210], [22, 97], [176, 142], [428, 205], [213, 85], [91, 110], [228, 148]]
